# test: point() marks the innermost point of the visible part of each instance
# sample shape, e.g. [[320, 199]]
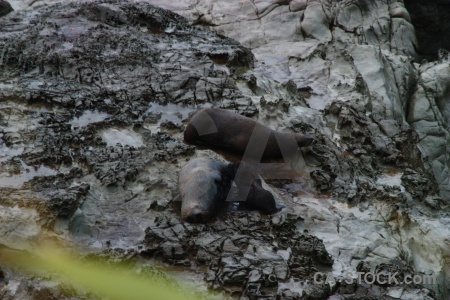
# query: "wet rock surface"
[[246, 255], [94, 97]]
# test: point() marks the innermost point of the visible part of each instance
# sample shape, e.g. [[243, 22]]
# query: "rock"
[[251, 262], [172, 251], [315, 22], [93, 97], [296, 5], [254, 276], [398, 10], [428, 116], [316, 292], [65, 203]]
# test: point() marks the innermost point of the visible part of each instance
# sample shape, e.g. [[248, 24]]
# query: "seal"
[[204, 184], [257, 198], [220, 129], [5, 8], [202, 189]]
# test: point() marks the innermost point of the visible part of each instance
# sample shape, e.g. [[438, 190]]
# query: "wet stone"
[[289, 295], [228, 246], [316, 292], [142, 71], [281, 271], [418, 185], [346, 288], [172, 251], [254, 276], [254, 261], [64, 203], [311, 245]]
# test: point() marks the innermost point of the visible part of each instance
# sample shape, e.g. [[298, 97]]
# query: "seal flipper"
[[261, 199], [258, 198]]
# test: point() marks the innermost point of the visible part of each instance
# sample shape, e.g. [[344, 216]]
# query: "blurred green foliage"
[[115, 283]]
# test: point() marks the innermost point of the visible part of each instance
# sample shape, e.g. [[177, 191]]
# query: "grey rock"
[[316, 292], [104, 105], [316, 23]]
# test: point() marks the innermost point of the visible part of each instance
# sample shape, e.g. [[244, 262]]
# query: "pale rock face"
[[398, 10], [429, 115], [316, 23], [19, 227], [317, 43], [296, 5]]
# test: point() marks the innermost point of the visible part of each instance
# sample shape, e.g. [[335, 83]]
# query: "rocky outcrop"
[[246, 256], [335, 48], [94, 97], [429, 115]]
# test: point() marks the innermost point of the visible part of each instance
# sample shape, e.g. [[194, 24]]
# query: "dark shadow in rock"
[[5, 8], [430, 19]]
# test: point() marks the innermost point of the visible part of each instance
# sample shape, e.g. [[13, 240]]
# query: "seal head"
[[202, 189]]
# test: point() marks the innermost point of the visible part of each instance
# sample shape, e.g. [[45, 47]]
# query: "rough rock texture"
[[93, 98], [429, 115], [354, 62], [337, 49], [246, 255]]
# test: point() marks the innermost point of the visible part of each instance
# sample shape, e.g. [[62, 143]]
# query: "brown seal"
[[202, 189], [224, 130], [204, 184]]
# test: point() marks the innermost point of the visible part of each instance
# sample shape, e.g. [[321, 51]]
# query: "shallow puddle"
[[88, 117], [391, 177], [169, 112], [123, 137], [26, 174]]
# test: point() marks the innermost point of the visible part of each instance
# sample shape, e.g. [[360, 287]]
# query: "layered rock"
[[94, 97]]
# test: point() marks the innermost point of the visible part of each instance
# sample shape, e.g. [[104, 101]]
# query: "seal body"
[[224, 130], [5, 8], [203, 189], [204, 184]]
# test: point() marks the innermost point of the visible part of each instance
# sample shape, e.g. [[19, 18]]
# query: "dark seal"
[[224, 130], [202, 189], [5, 8], [204, 184]]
